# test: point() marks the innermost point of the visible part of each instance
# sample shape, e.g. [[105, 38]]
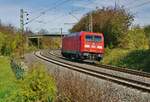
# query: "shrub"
[[135, 39], [19, 68], [133, 59], [112, 56], [37, 85], [137, 59], [10, 40]]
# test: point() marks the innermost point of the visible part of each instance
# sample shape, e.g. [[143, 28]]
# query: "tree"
[[113, 22], [135, 39], [10, 40]]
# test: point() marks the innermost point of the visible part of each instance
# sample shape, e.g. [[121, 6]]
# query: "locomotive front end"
[[92, 46]]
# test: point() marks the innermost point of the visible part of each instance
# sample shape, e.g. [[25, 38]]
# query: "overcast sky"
[[57, 12]]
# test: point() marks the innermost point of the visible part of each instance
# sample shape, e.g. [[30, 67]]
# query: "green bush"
[[112, 56], [133, 59], [6, 50], [10, 40], [135, 39], [37, 85], [9, 43], [19, 68], [137, 59]]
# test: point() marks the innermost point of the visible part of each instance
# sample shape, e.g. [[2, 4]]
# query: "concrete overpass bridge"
[[46, 40]]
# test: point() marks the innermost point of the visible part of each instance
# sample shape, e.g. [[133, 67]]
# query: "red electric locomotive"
[[83, 45]]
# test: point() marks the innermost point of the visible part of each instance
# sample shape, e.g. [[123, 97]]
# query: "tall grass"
[[36, 86], [133, 59], [7, 79]]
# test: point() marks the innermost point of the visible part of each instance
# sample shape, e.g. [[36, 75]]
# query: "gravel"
[[126, 94]]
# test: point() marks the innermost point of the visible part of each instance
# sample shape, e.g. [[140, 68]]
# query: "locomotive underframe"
[[83, 55]]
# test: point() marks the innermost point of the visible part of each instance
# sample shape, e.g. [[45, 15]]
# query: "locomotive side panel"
[[71, 44]]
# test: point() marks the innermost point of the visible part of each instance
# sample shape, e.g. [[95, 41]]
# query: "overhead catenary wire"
[[56, 5], [42, 13], [71, 13], [47, 10], [66, 13]]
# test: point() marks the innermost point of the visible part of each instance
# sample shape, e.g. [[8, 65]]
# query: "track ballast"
[[143, 86]]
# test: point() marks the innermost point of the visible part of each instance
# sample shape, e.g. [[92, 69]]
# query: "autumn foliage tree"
[[10, 40], [113, 22]]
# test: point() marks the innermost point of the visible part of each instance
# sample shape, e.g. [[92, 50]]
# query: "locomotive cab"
[[92, 46]]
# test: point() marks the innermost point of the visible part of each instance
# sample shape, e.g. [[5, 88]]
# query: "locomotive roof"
[[79, 33]]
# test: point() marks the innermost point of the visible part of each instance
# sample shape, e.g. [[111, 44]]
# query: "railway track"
[[143, 86], [120, 69]]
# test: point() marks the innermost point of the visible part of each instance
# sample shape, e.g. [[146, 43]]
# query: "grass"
[[133, 59], [114, 55], [36, 86], [7, 79]]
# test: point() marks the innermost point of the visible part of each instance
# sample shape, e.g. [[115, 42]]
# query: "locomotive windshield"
[[94, 38], [97, 38], [89, 38]]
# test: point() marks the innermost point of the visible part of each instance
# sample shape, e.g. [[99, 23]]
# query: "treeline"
[[115, 24], [14, 43], [12, 40]]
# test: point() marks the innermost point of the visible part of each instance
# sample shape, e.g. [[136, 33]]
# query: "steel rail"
[[115, 68], [105, 76], [131, 80]]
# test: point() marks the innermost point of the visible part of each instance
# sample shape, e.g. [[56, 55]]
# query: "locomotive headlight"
[[99, 47], [87, 46]]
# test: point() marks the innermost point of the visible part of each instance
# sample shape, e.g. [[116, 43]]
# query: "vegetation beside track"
[[129, 58], [36, 85], [7, 79]]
